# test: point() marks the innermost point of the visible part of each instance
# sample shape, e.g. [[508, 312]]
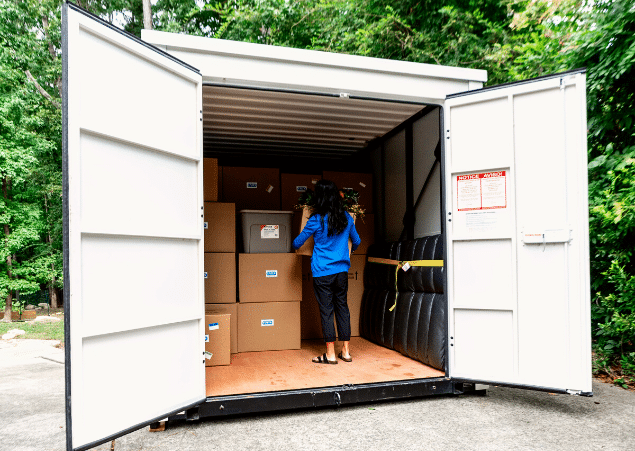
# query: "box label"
[[214, 326], [301, 189], [205, 275], [271, 273], [269, 189], [266, 322], [206, 338], [363, 185], [252, 184], [208, 355], [205, 226], [269, 232]]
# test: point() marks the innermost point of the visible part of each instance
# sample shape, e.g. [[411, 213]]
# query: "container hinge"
[[337, 398], [574, 392], [447, 134]]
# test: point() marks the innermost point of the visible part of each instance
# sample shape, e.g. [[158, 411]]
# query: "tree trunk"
[[52, 294], [9, 300], [147, 15]]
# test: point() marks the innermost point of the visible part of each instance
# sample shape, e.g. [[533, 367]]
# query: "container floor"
[[257, 372]]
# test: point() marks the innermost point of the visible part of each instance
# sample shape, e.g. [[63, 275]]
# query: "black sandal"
[[322, 359], [349, 359]]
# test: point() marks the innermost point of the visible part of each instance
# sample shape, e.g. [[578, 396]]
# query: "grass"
[[52, 331]]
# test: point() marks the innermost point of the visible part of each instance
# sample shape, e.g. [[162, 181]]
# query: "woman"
[[331, 227]]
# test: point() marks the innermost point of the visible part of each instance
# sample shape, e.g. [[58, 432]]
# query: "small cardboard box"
[[362, 183], [217, 339], [229, 309], [311, 322], [269, 278], [220, 278], [270, 326], [252, 188], [219, 227], [292, 186], [210, 179]]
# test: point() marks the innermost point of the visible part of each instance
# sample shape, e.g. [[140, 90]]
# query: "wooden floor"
[[256, 372]]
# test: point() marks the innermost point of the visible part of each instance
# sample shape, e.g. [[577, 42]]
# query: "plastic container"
[[266, 231]]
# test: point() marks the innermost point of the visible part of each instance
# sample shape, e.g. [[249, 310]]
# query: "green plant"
[[350, 198]]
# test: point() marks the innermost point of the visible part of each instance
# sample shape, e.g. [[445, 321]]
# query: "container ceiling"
[[248, 121]]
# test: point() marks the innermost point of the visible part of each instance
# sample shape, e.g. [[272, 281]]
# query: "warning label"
[[269, 231], [483, 191]]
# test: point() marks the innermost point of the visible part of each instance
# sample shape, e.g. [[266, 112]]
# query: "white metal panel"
[[518, 271], [261, 66], [425, 136], [134, 280]]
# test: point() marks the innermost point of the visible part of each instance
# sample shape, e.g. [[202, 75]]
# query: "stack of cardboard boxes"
[[253, 300], [220, 270]]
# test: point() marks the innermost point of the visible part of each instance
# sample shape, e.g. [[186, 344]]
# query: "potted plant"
[[306, 202]]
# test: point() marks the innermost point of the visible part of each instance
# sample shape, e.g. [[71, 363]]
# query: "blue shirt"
[[330, 253]]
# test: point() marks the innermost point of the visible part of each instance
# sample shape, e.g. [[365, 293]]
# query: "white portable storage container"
[[503, 172], [266, 231]]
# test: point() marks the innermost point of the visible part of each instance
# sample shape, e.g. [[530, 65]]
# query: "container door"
[[517, 235], [133, 287]]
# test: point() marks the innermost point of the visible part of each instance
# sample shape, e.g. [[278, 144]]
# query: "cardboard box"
[[269, 278], [366, 231], [211, 179], [310, 320], [229, 309], [252, 188], [220, 278], [300, 218], [217, 339], [219, 227], [270, 326], [362, 183], [292, 186]]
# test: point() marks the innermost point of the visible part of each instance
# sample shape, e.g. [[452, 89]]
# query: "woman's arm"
[[354, 236], [309, 229]]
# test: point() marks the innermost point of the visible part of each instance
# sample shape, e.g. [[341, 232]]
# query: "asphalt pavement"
[[32, 418]]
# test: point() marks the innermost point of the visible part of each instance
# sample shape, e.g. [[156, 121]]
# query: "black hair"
[[328, 201]]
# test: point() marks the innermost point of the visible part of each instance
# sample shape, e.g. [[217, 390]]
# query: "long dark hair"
[[328, 201]]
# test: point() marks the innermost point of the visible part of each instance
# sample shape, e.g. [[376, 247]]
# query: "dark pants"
[[330, 292]]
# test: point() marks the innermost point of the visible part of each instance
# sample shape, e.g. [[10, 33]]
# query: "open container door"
[[133, 285], [517, 235]]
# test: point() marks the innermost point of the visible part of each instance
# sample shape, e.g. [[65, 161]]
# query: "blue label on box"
[[213, 326], [271, 273], [252, 184], [266, 322]]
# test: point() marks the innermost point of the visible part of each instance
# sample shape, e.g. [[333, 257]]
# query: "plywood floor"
[[256, 372]]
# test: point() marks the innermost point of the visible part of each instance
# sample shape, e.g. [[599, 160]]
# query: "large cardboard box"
[[219, 227], [269, 278], [229, 309], [217, 339], [211, 179], [269, 326], [252, 188], [311, 322], [362, 183], [220, 278], [366, 231], [292, 186]]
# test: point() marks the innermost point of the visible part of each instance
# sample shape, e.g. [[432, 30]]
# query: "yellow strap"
[[399, 264], [386, 261]]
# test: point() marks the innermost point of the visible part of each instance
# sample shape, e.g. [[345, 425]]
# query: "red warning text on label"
[[484, 191]]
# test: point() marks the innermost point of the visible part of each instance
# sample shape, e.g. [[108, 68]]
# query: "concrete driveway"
[[32, 418]]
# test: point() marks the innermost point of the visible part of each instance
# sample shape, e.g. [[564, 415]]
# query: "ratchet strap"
[[405, 265]]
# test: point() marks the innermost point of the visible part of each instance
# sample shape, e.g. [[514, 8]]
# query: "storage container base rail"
[[323, 397]]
